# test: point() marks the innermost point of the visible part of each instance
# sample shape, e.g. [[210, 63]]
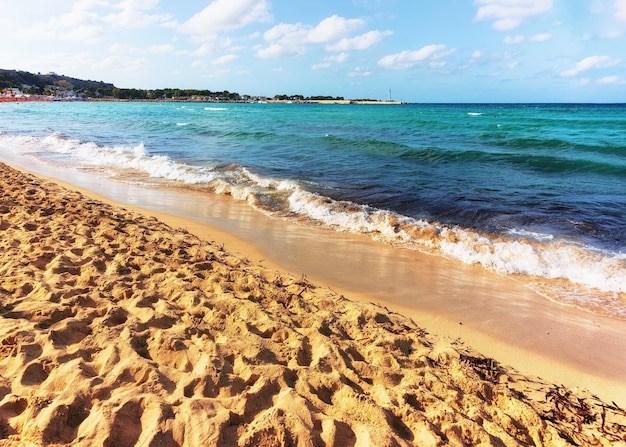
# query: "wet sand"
[[118, 329], [497, 315]]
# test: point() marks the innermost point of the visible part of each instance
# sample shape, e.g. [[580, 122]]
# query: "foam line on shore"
[[594, 277]]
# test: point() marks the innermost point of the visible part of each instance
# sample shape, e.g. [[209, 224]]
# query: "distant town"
[[22, 86]]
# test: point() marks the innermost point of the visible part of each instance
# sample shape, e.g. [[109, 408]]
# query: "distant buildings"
[[51, 93]]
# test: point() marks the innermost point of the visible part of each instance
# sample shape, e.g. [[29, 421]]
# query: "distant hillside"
[[17, 79]]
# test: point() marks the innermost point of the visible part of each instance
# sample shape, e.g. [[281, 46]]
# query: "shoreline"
[[119, 317], [495, 315]]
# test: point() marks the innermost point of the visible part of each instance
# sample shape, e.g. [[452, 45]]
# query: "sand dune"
[[117, 330]]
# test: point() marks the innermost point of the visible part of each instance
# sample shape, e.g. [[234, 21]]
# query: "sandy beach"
[[117, 329]]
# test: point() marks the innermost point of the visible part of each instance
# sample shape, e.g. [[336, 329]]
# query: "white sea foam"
[[216, 109], [89, 154], [474, 113], [521, 252], [542, 237], [538, 256]]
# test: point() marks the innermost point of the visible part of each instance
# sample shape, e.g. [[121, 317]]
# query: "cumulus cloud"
[[362, 42], [590, 63], [514, 40], [88, 20], [134, 14], [338, 58], [542, 37], [432, 55], [205, 49], [293, 39], [334, 59], [225, 60], [321, 66], [608, 80], [509, 14], [226, 15], [81, 24], [360, 72], [475, 58], [282, 49], [333, 28]]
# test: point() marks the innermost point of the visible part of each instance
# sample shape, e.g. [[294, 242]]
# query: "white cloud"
[[285, 40], [78, 25], [361, 42], [213, 73], [226, 15], [620, 10], [292, 39], [277, 50], [286, 31], [517, 39], [339, 58], [590, 63], [333, 28], [89, 20], [476, 57], [431, 54], [133, 14], [514, 40], [225, 60], [334, 59], [321, 66], [199, 64], [608, 80], [509, 14], [542, 37], [360, 72], [513, 65], [205, 49], [123, 49], [160, 49]]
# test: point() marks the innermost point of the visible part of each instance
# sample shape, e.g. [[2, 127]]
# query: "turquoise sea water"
[[536, 191]]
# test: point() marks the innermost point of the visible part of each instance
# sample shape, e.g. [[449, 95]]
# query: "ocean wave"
[[518, 252], [60, 149]]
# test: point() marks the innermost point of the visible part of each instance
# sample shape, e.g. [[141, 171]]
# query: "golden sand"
[[118, 330]]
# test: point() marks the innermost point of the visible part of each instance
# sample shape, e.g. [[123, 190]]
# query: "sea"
[[534, 191]]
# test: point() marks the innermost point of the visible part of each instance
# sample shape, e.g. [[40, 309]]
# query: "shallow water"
[[534, 191]]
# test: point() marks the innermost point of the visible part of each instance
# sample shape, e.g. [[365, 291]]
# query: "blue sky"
[[423, 50]]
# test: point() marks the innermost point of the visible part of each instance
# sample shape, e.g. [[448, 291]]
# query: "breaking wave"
[[516, 252]]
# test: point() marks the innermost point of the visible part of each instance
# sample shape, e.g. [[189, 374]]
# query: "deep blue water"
[[519, 188]]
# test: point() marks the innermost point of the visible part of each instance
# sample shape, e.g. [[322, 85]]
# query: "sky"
[[409, 50]]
